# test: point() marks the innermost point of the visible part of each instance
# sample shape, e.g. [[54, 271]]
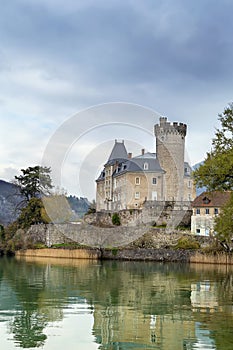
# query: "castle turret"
[[170, 147]]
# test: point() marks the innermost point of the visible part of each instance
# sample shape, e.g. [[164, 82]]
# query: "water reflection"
[[115, 305]]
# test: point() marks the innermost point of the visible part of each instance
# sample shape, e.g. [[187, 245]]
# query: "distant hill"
[[79, 205], [9, 199], [199, 190]]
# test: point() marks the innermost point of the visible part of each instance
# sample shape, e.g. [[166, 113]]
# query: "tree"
[[224, 224], [92, 207], [32, 214], [216, 173], [116, 219], [34, 182]]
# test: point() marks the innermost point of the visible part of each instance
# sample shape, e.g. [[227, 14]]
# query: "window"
[[216, 211], [137, 180], [198, 211], [198, 231], [189, 184], [145, 166], [154, 181], [206, 200], [137, 195], [207, 211], [154, 196], [207, 232]]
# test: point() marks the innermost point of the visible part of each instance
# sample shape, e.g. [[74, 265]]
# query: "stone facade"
[[170, 146], [128, 182]]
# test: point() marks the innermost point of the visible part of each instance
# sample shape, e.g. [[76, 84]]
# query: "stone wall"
[[153, 214], [121, 243], [162, 255], [99, 237], [141, 254], [84, 234]]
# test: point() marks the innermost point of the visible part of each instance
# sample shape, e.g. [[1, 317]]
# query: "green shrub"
[[2, 233], [183, 227], [187, 243], [10, 247], [116, 219], [68, 245], [163, 225], [114, 251], [39, 246]]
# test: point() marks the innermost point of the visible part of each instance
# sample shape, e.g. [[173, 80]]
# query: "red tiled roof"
[[211, 199]]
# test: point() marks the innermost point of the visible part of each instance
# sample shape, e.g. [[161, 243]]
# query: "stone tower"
[[170, 147]]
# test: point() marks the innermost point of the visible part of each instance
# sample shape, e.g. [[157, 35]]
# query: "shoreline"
[[130, 254]]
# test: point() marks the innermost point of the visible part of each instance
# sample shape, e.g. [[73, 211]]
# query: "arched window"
[[145, 166]]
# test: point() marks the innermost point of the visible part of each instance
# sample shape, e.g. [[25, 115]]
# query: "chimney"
[[143, 151], [129, 155]]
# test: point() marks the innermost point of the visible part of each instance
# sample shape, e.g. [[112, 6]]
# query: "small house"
[[206, 207]]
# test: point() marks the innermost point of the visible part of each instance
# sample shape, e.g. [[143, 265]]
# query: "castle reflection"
[[134, 305]]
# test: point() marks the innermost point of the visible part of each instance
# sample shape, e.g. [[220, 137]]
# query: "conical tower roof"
[[118, 152]]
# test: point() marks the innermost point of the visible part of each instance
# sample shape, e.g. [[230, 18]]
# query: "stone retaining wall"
[[137, 254], [86, 235], [141, 236], [162, 255], [92, 254]]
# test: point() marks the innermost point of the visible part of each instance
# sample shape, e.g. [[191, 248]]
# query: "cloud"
[[57, 58]]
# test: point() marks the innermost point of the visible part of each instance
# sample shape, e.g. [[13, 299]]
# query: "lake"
[[108, 305]]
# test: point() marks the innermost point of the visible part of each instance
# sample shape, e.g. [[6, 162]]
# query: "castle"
[[128, 182]]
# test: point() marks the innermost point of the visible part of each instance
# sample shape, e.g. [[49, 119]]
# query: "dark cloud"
[[173, 56], [124, 43]]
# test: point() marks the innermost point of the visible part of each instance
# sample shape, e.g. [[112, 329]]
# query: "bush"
[[116, 219], [70, 245], [163, 225], [114, 251], [187, 243], [39, 245], [2, 233]]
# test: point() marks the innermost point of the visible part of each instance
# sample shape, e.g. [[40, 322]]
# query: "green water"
[[78, 304]]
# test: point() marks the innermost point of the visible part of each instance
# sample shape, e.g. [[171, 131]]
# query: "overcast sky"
[[58, 58]]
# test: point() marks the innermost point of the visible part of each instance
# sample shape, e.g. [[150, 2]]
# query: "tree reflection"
[[135, 305], [29, 283], [27, 328]]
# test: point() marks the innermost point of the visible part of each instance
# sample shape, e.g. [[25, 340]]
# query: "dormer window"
[[145, 166], [206, 200]]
